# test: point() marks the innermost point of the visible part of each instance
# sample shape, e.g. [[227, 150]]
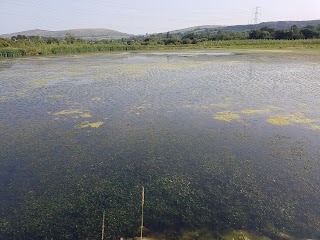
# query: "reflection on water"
[[219, 140]]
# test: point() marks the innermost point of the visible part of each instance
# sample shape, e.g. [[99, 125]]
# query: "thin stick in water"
[[102, 231], [142, 205]]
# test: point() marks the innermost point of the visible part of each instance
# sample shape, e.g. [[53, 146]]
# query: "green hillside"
[[241, 28]]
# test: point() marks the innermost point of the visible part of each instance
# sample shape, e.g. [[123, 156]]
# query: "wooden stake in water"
[[142, 205], [102, 231]]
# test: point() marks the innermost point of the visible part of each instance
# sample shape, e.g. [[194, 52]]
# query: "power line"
[[256, 15]]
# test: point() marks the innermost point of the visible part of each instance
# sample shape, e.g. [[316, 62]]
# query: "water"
[[220, 140]]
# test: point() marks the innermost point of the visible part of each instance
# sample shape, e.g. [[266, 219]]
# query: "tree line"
[[308, 32], [294, 32]]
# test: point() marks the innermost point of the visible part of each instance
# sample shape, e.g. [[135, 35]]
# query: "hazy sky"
[[146, 16]]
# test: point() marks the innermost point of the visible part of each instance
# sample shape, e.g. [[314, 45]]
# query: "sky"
[[146, 16]]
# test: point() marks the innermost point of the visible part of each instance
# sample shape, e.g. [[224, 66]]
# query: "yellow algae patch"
[[243, 235], [299, 118], [278, 120], [87, 124], [220, 105], [140, 107], [96, 124], [303, 106], [68, 112], [255, 111], [4, 98], [290, 119], [204, 107], [305, 121], [96, 99], [38, 83], [315, 127], [226, 116], [251, 111], [99, 76], [86, 115], [56, 96], [273, 108], [11, 84]]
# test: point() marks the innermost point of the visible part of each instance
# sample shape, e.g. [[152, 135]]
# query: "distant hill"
[[243, 28], [197, 28], [100, 33], [275, 25], [87, 34]]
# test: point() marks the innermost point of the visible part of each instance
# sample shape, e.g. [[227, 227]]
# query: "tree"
[[309, 33], [172, 40], [283, 34], [296, 33], [70, 39], [50, 40]]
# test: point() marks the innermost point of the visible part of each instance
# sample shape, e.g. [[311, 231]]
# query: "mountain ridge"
[[246, 27], [108, 34], [84, 33]]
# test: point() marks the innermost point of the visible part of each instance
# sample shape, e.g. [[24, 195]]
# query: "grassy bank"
[[27, 48]]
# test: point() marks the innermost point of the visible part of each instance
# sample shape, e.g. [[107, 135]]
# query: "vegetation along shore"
[[264, 38]]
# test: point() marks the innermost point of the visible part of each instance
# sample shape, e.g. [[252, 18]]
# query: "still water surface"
[[223, 140]]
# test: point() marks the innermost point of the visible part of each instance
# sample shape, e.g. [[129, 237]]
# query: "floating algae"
[[56, 96], [243, 235], [96, 99], [226, 116], [220, 105], [256, 111], [273, 108], [290, 119], [99, 76], [140, 107], [204, 107], [68, 112], [88, 124], [38, 83], [86, 115], [305, 121], [278, 121], [4, 98], [315, 127], [251, 111]]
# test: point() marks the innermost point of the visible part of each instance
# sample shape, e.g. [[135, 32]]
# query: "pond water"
[[220, 140]]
